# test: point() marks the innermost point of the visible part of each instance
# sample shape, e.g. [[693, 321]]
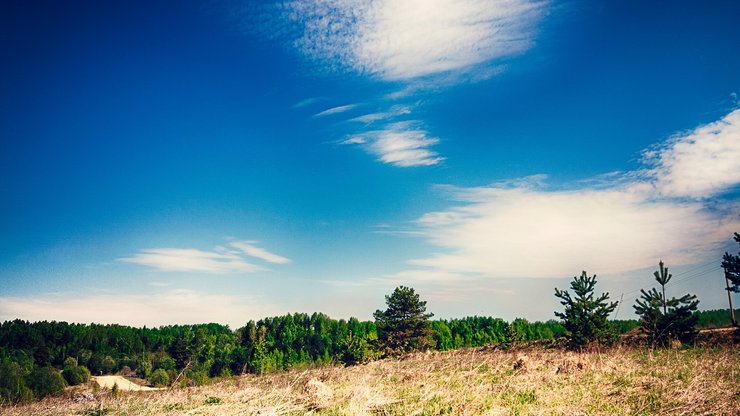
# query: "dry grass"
[[464, 382]]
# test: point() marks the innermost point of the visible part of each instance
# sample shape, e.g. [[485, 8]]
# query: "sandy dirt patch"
[[123, 383]]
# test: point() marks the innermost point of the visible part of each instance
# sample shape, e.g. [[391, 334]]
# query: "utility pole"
[[616, 313], [729, 296]]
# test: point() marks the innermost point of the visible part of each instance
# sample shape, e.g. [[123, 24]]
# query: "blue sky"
[[178, 162]]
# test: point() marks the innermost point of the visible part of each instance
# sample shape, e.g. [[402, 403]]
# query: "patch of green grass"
[[213, 400], [436, 406], [526, 397], [173, 406]]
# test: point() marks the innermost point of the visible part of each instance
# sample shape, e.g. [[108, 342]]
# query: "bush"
[[76, 375], [45, 381], [13, 387], [144, 368], [159, 378], [354, 350]]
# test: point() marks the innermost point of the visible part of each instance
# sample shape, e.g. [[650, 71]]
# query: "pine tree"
[[731, 264], [585, 318], [404, 326], [663, 319]]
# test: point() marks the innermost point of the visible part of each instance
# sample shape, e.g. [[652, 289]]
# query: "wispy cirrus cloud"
[[394, 111], [401, 144], [407, 39], [220, 260], [524, 229], [250, 248], [308, 101], [336, 110]]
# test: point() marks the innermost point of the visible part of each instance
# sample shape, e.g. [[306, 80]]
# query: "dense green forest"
[[39, 358]]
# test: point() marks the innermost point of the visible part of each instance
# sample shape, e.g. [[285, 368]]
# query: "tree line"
[[41, 358]]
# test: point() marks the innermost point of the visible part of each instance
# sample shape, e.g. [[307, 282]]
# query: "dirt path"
[[123, 383]]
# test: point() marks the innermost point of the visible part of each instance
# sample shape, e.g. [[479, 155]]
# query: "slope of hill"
[[462, 382]]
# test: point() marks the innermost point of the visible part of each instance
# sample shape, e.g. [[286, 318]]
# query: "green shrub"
[[354, 350], [159, 378], [45, 381], [75, 374], [13, 388]]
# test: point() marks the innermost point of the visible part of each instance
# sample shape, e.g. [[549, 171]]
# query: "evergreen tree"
[[404, 326], [731, 264], [586, 318], [663, 319]]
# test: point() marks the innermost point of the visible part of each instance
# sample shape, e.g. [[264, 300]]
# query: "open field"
[[463, 382]]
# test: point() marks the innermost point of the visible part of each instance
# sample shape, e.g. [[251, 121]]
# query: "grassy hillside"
[[462, 382]]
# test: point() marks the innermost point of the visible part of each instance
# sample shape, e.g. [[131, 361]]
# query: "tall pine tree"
[[731, 264], [404, 326]]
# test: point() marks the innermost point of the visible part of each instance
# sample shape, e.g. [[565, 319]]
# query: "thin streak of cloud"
[[395, 111], [308, 101], [190, 260], [221, 260], [250, 249], [336, 110]]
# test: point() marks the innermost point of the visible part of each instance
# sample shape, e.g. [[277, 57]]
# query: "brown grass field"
[[538, 381]]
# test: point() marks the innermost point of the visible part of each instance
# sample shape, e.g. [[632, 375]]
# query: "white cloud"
[[308, 101], [165, 308], [336, 110], [699, 163], [354, 140], [406, 39], [530, 233], [521, 229], [219, 260], [250, 248], [190, 260], [399, 144], [395, 111]]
